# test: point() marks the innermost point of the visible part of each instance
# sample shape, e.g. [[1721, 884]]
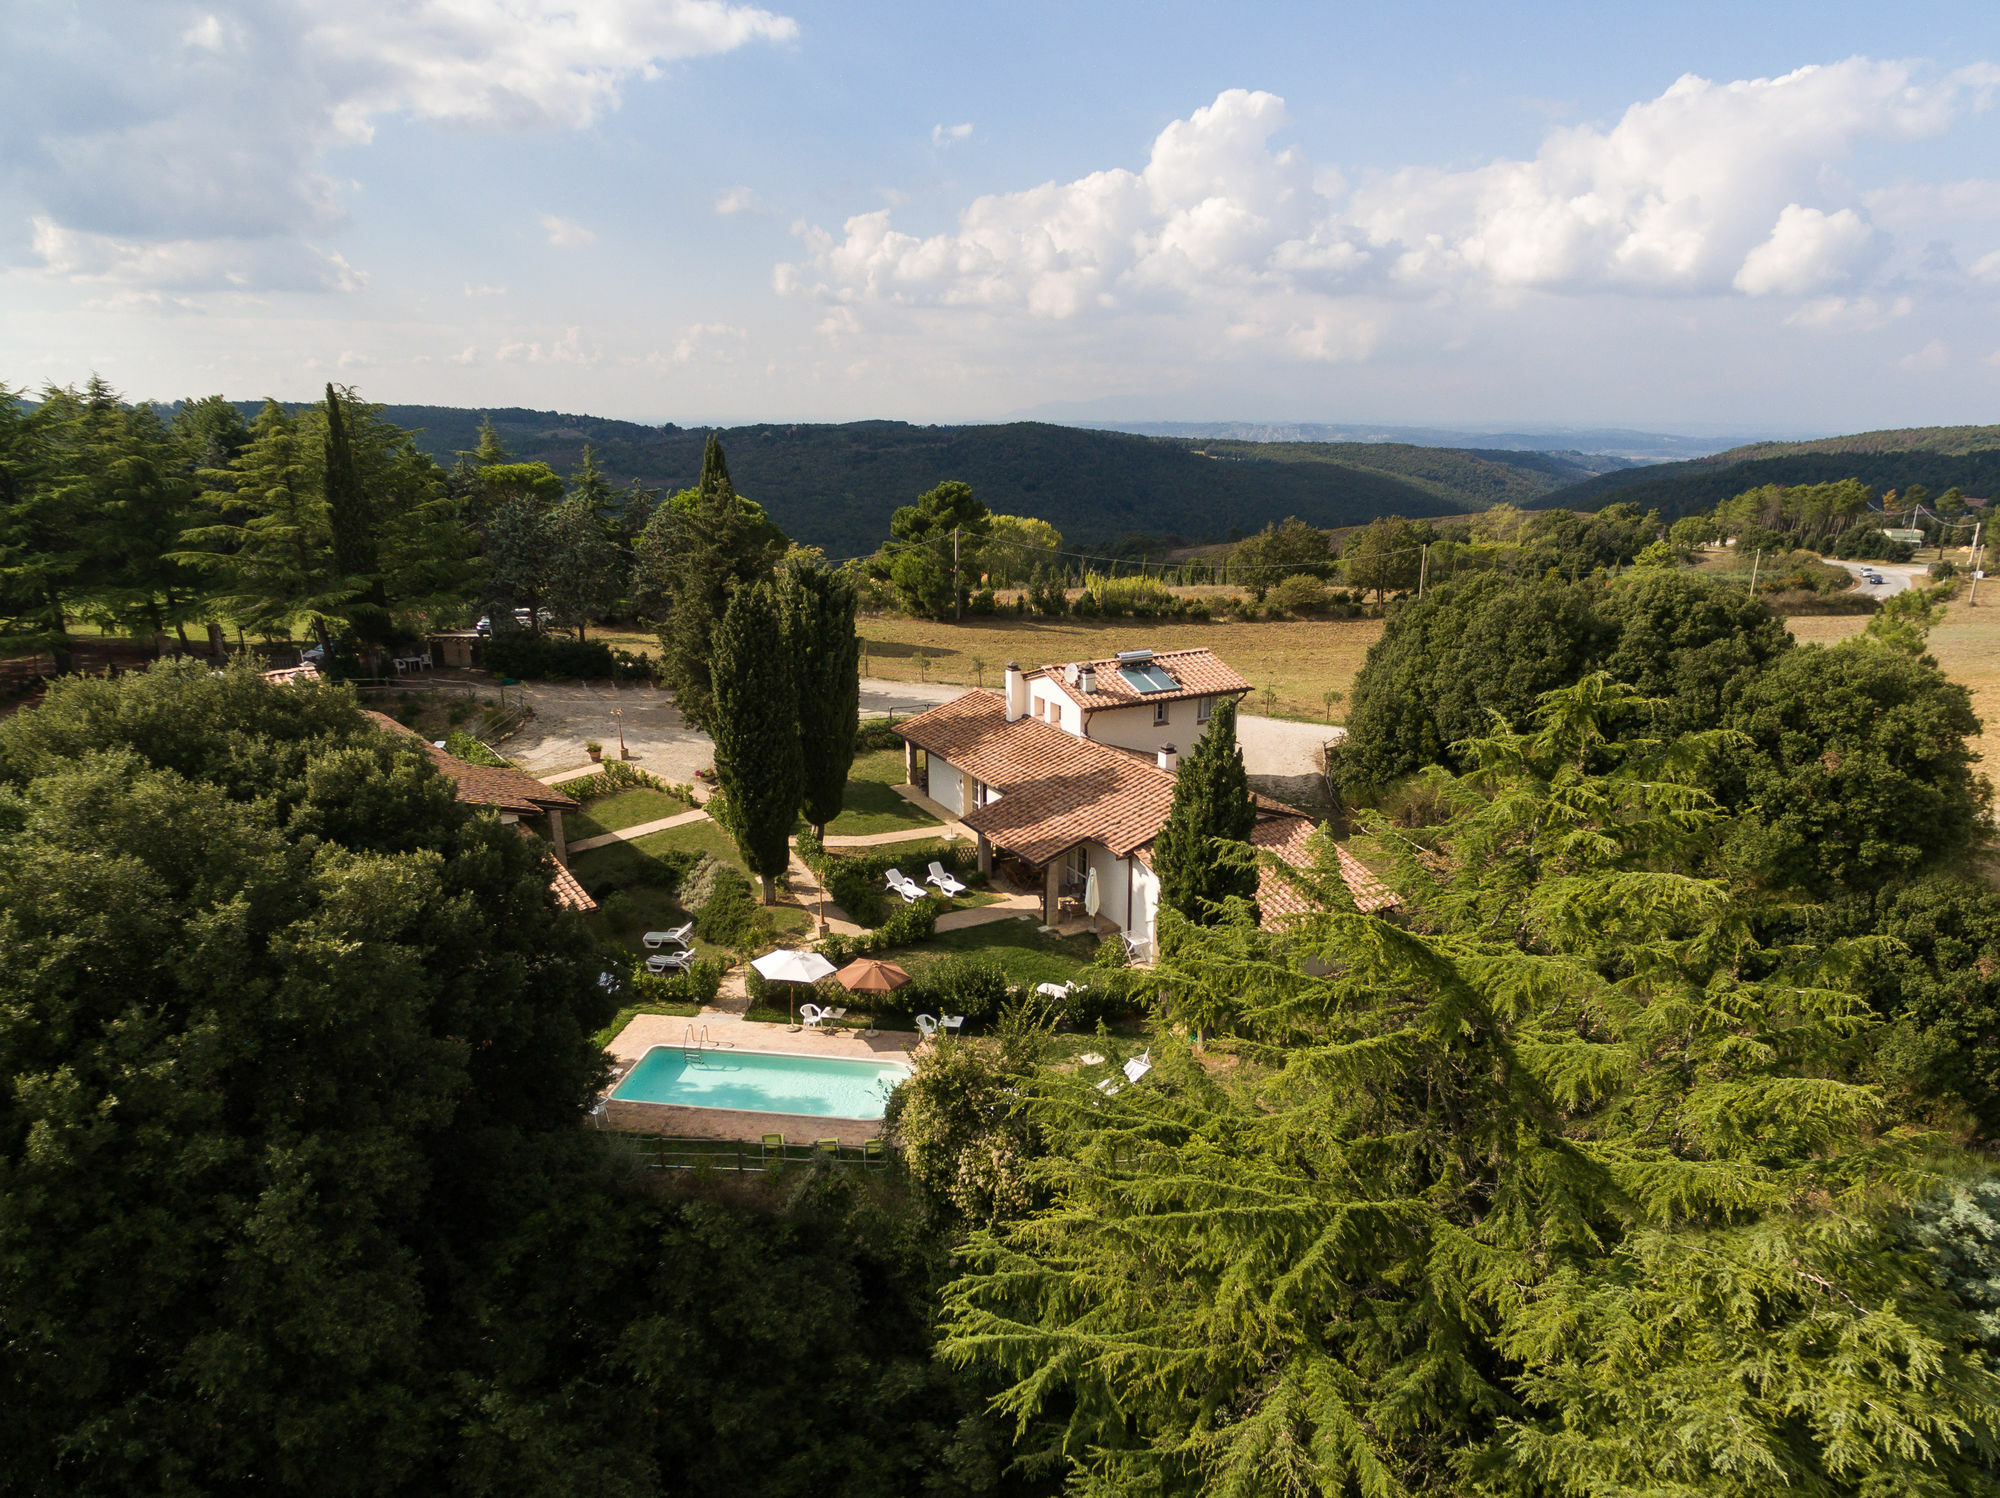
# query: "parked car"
[[484, 626], [317, 654], [1870, 575]]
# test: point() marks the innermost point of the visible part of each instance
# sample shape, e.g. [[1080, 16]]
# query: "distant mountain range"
[[1936, 457], [837, 485], [1604, 442]]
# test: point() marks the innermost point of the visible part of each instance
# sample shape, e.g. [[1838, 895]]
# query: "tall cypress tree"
[[699, 547], [1211, 800], [756, 727], [820, 605], [351, 524]]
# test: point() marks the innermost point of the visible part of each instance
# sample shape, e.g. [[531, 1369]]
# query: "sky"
[[1759, 220]]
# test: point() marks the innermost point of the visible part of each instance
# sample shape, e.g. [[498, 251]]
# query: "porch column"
[[985, 855], [1051, 890], [556, 836], [909, 763]]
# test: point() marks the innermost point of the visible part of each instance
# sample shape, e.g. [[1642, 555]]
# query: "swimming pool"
[[762, 1082]]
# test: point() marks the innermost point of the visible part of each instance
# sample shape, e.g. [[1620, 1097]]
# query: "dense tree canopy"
[[1534, 1191], [1212, 810]]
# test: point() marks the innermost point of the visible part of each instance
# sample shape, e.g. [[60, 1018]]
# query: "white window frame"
[[1204, 709], [1160, 714]]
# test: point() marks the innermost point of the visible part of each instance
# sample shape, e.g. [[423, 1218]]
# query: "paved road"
[[881, 698], [1896, 576]]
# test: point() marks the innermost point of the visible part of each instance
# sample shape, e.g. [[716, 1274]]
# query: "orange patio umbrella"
[[867, 975]]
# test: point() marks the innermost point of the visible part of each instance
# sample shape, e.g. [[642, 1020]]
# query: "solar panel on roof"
[[1146, 679]]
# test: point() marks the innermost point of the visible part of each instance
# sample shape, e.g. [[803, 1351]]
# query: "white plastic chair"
[[1054, 990], [811, 1014], [927, 1026], [1138, 1066], [944, 881], [1135, 946], [670, 962], [678, 936], [911, 893]]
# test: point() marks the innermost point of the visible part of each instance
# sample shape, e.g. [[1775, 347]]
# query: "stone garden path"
[[626, 834]]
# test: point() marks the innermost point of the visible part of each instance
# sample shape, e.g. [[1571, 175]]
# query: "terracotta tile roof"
[[503, 788], [1055, 789], [1290, 838], [1196, 673], [569, 894]]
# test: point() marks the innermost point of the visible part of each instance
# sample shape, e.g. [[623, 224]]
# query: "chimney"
[[1017, 691], [1169, 758], [1086, 680]]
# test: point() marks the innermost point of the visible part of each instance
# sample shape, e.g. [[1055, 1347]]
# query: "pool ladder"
[[693, 1044]]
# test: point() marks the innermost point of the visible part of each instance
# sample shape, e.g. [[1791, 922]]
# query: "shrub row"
[[903, 928], [698, 985], [619, 776], [521, 653]]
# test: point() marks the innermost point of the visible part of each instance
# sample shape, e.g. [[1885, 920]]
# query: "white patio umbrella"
[[1091, 899], [787, 966]]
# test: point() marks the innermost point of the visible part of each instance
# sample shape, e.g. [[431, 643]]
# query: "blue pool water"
[[761, 1082]]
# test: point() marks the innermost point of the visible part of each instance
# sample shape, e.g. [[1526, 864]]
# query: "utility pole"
[[1423, 570], [957, 594], [1757, 562], [1972, 599]]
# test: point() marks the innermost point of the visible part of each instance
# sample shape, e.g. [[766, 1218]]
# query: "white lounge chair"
[[927, 1026], [678, 937], [910, 892], [1054, 990], [670, 962], [1138, 1066], [1135, 946], [951, 887]]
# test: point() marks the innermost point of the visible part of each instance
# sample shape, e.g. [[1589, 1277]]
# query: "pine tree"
[[581, 575], [1556, 1183], [756, 728], [1212, 805], [267, 545], [820, 605]]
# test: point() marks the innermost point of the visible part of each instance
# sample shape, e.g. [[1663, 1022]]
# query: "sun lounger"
[[1054, 990], [1138, 1066], [911, 893], [670, 962], [677, 937], [1135, 947], [774, 1144], [951, 887]]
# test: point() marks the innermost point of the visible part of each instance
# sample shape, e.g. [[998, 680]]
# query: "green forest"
[[1637, 1138]]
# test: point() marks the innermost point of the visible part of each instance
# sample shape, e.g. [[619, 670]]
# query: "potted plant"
[[594, 749]]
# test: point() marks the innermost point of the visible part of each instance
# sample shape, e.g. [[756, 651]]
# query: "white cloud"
[[1975, 198], [140, 123], [736, 200], [839, 323], [483, 290], [1838, 314], [567, 349], [1933, 355], [944, 135], [1708, 189], [566, 233], [190, 264], [1810, 252], [717, 341], [1987, 267]]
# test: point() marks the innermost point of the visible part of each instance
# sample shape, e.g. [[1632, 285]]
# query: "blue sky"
[[1713, 218]]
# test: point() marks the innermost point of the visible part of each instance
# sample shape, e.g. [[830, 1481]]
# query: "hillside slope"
[[1936, 457], [836, 485]]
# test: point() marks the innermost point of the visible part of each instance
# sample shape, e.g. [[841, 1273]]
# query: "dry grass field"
[[1300, 659]]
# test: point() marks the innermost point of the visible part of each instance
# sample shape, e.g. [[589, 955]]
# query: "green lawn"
[[694, 837], [870, 803], [625, 809], [1017, 946]]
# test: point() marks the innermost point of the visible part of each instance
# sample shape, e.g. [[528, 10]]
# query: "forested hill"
[[1936, 457], [836, 485]]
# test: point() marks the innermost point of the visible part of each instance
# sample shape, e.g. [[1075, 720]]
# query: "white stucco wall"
[[1114, 891], [948, 786], [1050, 703], [1145, 903], [1134, 728]]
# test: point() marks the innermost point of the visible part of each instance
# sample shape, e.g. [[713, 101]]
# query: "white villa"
[[1069, 771]]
